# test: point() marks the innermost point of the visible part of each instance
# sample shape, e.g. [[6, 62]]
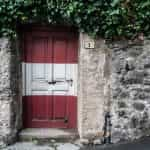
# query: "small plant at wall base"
[[105, 18]]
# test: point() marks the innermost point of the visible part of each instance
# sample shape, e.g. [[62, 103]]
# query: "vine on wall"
[[106, 18]]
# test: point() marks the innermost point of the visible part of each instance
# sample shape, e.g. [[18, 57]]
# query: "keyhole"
[[66, 120], [89, 45]]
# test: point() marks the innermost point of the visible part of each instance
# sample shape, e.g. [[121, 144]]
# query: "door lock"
[[66, 120]]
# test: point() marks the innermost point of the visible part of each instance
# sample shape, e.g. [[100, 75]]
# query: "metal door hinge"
[[70, 82]]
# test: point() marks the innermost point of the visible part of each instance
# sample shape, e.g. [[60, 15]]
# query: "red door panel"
[[60, 47], [50, 49], [60, 107], [50, 111], [41, 109], [72, 51], [39, 49]]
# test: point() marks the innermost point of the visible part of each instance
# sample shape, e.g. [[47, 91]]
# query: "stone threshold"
[[48, 135]]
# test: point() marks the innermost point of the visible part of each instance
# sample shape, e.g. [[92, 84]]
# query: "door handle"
[[52, 82], [55, 81], [70, 81]]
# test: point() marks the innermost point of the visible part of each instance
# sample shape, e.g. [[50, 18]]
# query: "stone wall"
[[130, 90], [93, 88], [113, 78], [10, 104]]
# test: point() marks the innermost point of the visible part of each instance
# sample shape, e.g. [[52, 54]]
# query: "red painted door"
[[50, 79]]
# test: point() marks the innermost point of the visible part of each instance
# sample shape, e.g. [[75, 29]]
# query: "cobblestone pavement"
[[34, 146]]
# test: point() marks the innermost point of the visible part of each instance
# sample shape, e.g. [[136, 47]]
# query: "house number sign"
[[89, 44]]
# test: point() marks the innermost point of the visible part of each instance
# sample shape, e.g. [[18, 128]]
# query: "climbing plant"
[[106, 18]]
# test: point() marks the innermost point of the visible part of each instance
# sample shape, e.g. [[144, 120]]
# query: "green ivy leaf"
[[114, 12], [114, 3], [107, 18]]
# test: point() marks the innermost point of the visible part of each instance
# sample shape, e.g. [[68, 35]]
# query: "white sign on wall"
[[89, 44]]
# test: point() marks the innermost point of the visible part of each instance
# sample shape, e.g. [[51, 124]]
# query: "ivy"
[[105, 18]]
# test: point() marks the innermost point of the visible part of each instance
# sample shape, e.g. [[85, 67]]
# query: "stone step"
[[42, 135]]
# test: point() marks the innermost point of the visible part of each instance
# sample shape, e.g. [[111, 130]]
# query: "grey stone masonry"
[[113, 77], [130, 90], [9, 92]]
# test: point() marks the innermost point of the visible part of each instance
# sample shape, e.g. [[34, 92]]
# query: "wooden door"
[[50, 79]]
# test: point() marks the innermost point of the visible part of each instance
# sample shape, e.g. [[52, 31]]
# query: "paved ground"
[[143, 144], [34, 146]]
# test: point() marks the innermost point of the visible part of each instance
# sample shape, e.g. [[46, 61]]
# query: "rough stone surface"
[[28, 146], [130, 90], [113, 78], [84, 141], [45, 146], [68, 146], [9, 92], [47, 133], [97, 142], [93, 88]]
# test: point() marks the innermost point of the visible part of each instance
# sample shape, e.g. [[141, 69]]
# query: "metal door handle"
[[55, 81], [70, 80], [52, 82]]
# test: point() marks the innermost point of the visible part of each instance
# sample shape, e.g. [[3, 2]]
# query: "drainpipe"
[[107, 129]]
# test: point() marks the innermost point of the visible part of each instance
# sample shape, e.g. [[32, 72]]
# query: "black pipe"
[[107, 129]]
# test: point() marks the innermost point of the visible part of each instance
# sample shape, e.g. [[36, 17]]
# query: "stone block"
[[139, 106], [84, 141], [97, 142]]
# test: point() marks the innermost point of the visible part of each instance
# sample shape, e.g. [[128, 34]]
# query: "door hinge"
[[70, 82]]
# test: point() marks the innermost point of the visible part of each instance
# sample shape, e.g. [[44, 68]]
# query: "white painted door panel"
[[59, 75], [59, 72], [50, 79], [38, 72]]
